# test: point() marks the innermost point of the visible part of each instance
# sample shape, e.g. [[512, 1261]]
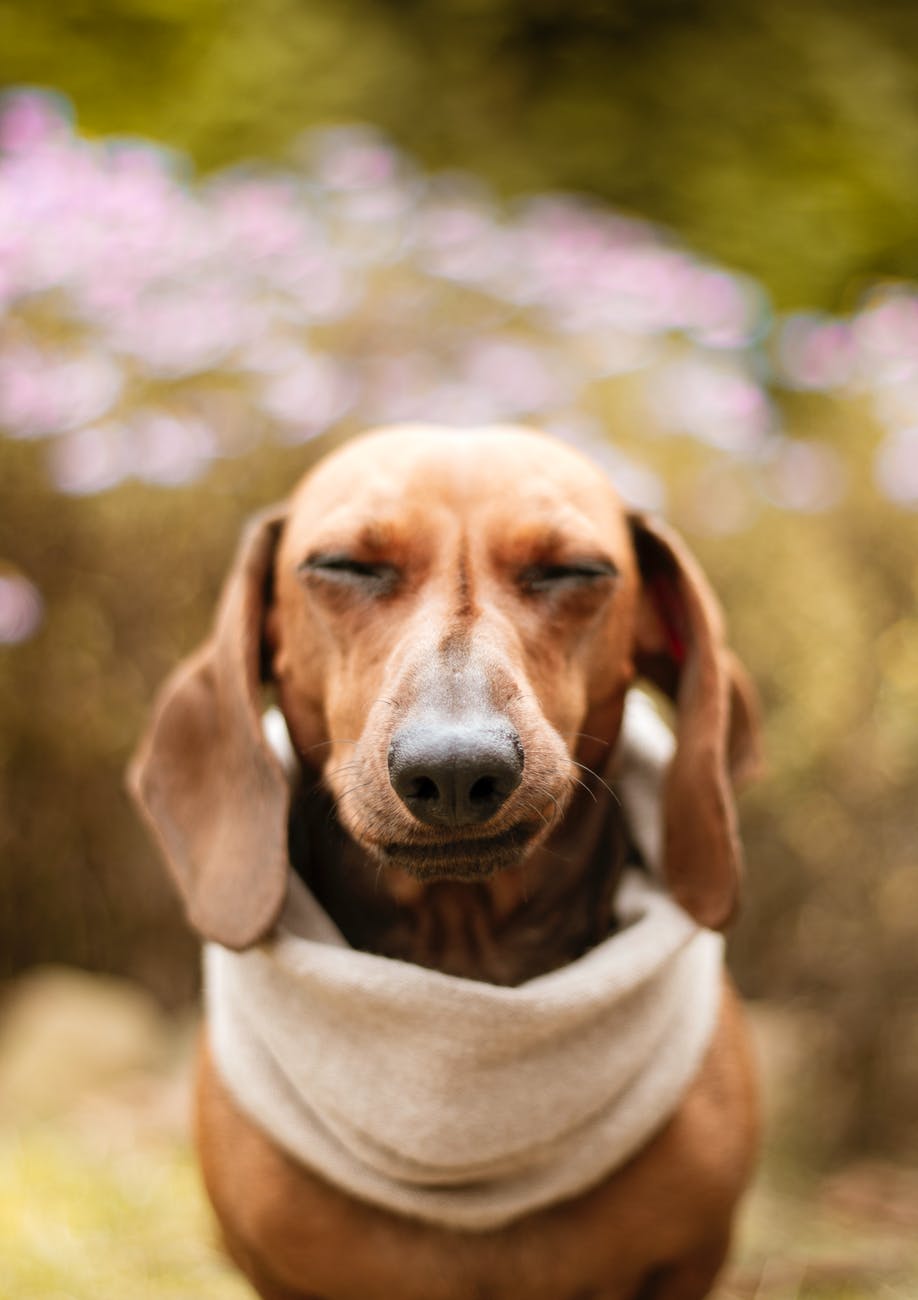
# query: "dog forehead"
[[423, 470]]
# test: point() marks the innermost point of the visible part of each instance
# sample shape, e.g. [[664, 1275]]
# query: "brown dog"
[[451, 621]]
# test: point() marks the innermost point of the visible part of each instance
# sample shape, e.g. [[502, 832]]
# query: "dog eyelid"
[[567, 575], [346, 570]]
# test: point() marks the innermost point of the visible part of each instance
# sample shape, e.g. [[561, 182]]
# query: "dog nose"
[[454, 773]]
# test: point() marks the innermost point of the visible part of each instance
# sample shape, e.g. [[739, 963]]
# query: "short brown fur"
[[462, 521]]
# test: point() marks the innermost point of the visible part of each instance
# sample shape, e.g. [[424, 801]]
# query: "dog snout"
[[455, 773]]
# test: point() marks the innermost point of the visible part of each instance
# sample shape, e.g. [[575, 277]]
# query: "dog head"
[[451, 621]]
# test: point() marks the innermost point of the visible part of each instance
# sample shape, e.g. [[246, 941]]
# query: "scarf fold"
[[462, 1103]]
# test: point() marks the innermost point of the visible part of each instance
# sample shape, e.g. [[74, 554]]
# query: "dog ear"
[[204, 776], [681, 648]]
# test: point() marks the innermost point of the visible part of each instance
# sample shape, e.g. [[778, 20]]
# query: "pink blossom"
[[816, 353], [153, 321], [169, 449], [31, 119], [21, 609], [309, 397], [804, 475], [712, 400], [90, 460], [896, 467], [886, 331], [46, 392], [352, 158], [518, 377]]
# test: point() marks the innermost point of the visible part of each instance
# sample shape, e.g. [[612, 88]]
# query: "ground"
[[100, 1199]]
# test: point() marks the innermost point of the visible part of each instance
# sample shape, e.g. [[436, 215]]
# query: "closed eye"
[[579, 574], [374, 578]]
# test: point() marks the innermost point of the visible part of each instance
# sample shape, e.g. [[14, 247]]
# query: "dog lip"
[[462, 850]]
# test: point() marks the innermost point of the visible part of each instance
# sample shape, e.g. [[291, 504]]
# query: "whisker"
[[575, 780], [335, 740], [531, 807], [562, 857], [603, 783], [548, 793], [334, 810], [541, 792], [586, 736], [361, 785]]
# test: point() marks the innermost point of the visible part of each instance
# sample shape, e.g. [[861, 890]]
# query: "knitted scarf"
[[462, 1103]]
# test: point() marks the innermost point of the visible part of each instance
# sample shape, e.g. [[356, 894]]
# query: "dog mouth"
[[462, 859]]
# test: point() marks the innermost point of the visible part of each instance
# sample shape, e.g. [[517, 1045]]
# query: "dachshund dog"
[[450, 623]]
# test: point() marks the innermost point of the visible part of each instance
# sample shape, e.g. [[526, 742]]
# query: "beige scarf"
[[462, 1103]]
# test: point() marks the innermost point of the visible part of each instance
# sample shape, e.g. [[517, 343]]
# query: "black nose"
[[451, 773]]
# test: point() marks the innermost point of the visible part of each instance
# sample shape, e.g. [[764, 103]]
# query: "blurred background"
[[683, 236]]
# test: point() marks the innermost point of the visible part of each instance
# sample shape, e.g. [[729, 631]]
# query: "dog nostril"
[[423, 788], [484, 791]]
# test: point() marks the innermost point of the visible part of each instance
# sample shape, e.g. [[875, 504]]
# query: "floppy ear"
[[204, 777], [681, 648]]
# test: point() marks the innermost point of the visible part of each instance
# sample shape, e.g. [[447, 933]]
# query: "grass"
[[77, 1223], [813, 1239]]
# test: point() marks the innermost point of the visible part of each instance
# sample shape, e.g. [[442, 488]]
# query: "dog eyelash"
[[345, 570], [558, 577]]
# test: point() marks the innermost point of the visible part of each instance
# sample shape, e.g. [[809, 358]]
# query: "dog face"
[[439, 651], [452, 621]]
